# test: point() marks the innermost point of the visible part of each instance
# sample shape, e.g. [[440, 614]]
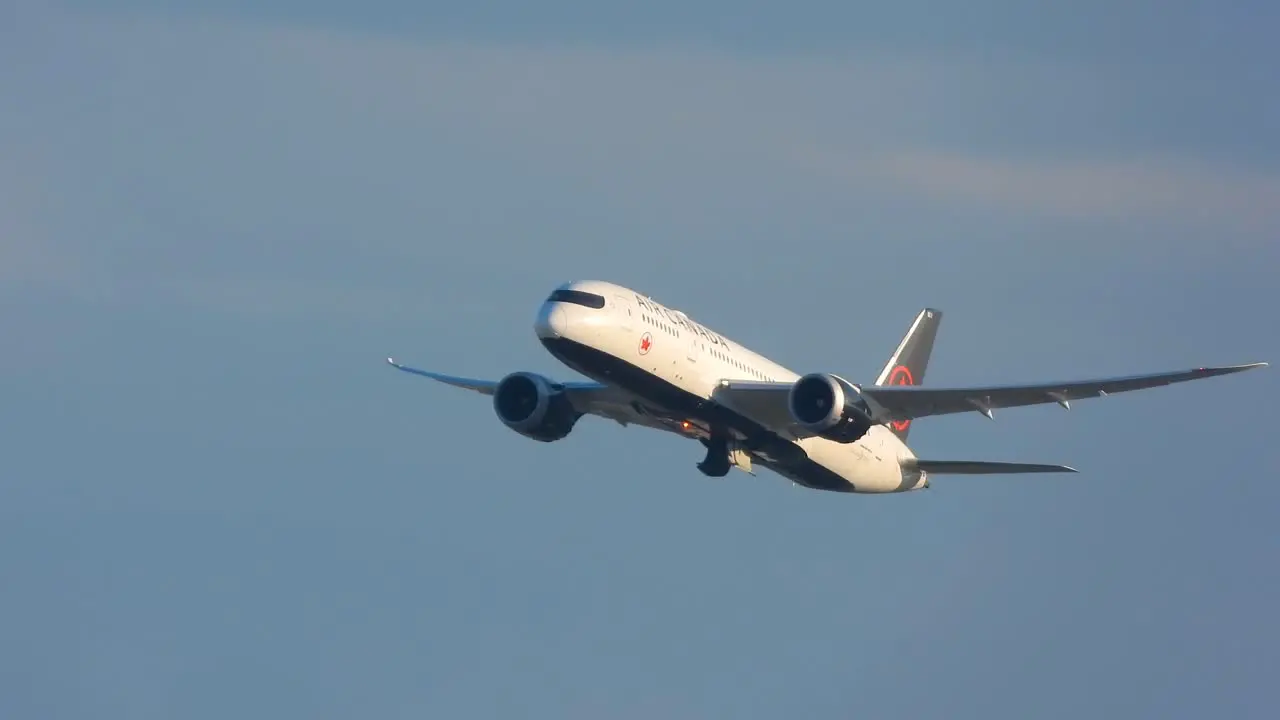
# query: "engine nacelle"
[[829, 407], [529, 404]]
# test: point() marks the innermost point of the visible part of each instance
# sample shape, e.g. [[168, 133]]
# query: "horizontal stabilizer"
[[978, 467]]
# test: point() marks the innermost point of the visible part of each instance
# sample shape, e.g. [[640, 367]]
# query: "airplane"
[[654, 366]]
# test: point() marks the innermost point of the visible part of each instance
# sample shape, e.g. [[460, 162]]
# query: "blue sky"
[[216, 220]]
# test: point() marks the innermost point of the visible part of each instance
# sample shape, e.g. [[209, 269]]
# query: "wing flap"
[[763, 402], [902, 402]]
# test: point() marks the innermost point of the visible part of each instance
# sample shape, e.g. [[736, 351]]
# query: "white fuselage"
[[671, 362]]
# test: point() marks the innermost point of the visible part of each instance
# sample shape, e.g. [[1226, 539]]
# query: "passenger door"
[[623, 306]]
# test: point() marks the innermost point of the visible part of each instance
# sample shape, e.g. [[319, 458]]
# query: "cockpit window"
[[578, 297]]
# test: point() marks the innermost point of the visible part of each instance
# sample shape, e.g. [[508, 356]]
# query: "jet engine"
[[830, 407], [529, 404]]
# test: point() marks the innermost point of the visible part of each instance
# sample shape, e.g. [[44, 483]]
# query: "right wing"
[[763, 402], [766, 402], [908, 402], [591, 398], [484, 387]]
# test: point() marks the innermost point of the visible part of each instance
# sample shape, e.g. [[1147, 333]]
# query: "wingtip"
[[1228, 369]]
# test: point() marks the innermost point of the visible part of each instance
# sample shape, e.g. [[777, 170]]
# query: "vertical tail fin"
[[907, 364]]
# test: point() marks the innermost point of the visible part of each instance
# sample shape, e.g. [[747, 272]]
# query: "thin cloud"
[[1094, 188], [202, 148]]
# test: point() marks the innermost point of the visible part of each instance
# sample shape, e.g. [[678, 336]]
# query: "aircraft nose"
[[551, 322]]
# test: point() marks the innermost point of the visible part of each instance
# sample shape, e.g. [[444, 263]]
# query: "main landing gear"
[[716, 463]]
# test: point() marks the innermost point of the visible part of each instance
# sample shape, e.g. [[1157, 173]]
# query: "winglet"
[[1227, 369]]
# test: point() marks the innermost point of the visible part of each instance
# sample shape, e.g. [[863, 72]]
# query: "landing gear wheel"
[[716, 463]]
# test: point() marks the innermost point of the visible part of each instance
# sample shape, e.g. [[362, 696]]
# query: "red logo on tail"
[[901, 375]]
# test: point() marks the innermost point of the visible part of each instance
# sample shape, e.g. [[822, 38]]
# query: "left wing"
[[591, 398], [907, 402]]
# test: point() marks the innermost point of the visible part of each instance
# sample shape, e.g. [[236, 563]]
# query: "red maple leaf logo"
[[901, 375], [645, 342]]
